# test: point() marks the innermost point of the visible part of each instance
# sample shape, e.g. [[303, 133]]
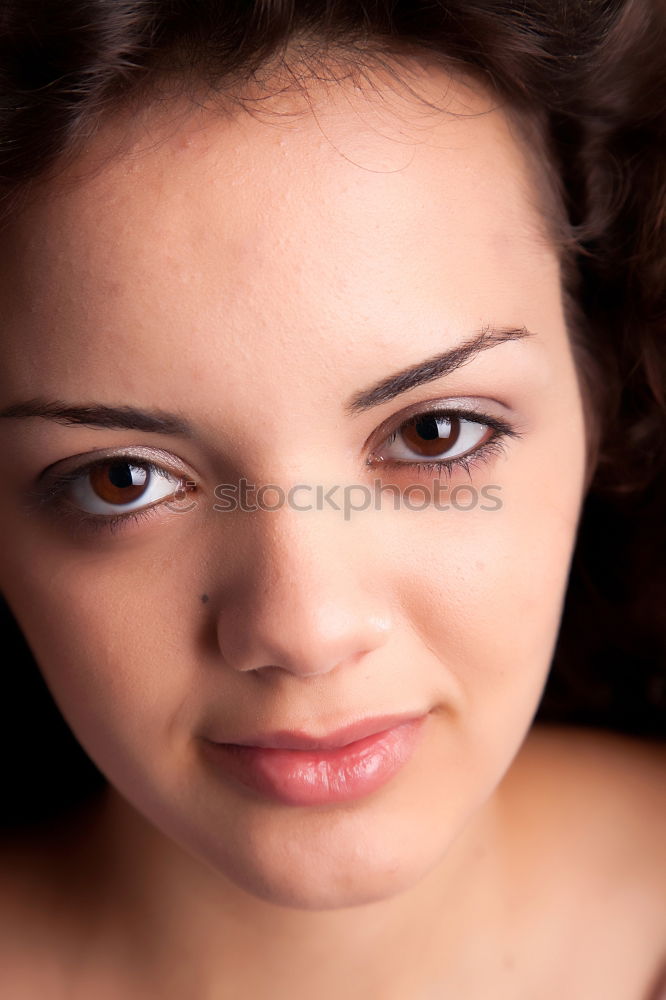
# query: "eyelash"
[[52, 495], [496, 445]]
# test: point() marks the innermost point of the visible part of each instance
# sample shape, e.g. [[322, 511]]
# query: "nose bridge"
[[303, 600]]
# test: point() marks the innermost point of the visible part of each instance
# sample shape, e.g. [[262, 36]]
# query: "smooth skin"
[[251, 274]]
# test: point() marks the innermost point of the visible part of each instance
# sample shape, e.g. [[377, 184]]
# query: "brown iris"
[[427, 434], [118, 482]]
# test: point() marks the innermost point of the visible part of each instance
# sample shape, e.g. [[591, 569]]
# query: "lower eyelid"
[[483, 453], [86, 522]]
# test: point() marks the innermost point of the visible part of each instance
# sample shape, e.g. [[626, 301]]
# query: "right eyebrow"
[[162, 422], [434, 367]]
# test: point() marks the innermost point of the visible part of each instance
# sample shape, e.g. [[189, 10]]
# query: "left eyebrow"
[[433, 367], [98, 415]]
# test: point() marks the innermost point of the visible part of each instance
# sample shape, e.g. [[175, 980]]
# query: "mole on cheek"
[[204, 598]]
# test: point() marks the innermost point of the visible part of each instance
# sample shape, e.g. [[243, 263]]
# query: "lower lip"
[[317, 777]]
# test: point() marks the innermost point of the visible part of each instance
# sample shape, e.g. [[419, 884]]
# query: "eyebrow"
[[434, 367], [99, 415], [173, 424]]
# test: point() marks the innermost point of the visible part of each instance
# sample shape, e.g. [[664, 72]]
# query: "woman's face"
[[255, 276]]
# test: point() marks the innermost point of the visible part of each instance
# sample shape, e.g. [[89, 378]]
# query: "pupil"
[[120, 474], [428, 428], [430, 435]]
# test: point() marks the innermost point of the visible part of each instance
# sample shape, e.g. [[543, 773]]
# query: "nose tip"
[[304, 639], [306, 606]]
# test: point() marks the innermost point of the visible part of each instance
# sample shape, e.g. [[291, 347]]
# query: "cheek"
[[484, 589], [102, 634]]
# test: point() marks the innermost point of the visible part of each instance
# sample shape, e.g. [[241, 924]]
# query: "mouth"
[[343, 736], [296, 769]]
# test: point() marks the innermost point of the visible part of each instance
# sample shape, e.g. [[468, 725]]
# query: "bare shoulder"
[[590, 806], [606, 770], [612, 756], [26, 897], [611, 787], [41, 873]]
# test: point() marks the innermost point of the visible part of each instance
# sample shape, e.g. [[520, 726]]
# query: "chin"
[[333, 859], [301, 878]]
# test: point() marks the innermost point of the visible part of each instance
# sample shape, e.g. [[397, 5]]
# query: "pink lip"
[[317, 775], [294, 739]]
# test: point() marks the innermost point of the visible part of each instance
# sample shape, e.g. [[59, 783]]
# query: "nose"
[[303, 601]]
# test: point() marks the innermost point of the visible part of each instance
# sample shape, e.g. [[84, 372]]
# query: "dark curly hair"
[[586, 82]]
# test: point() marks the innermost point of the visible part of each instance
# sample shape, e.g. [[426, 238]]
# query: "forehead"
[[352, 210]]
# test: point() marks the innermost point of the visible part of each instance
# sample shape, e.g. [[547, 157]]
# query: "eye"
[[119, 484], [110, 492], [443, 439]]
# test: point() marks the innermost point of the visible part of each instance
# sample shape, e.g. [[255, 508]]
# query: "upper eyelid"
[[81, 463]]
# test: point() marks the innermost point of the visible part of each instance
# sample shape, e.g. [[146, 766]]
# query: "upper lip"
[[296, 739]]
